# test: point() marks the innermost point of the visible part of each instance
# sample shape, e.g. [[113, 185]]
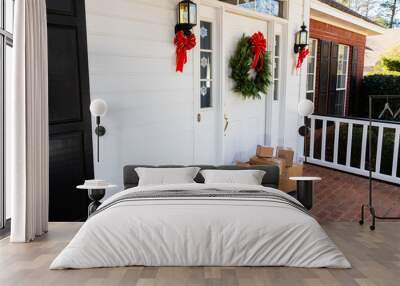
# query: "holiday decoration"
[[303, 53], [183, 44], [250, 65], [258, 47]]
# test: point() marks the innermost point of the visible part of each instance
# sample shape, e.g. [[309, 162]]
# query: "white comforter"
[[203, 232]]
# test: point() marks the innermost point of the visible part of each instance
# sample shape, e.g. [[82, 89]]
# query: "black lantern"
[[301, 40], [187, 16]]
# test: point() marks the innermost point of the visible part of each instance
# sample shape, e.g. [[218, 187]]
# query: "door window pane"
[[205, 35], [205, 94], [205, 65], [277, 66], [271, 7], [311, 69], [248, 4], [341, 80]]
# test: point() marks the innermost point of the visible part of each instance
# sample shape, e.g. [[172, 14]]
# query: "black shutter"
[[332, 79], [324, 63], [354, 86], [71, 154]]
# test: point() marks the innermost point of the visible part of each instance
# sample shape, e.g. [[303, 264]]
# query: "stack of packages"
[[284, 160]]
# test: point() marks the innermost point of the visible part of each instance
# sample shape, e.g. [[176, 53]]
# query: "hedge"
[[380, 84]]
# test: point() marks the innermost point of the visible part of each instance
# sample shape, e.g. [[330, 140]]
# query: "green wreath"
[[241, 73]]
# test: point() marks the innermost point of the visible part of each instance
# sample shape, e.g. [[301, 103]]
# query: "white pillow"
[[248, 177], [166, 176]]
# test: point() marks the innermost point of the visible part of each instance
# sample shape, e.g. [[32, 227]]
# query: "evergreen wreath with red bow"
[[250, 66]]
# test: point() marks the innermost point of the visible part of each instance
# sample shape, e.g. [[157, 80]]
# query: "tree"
[[366, 8], [389, 10], [383, 12], [389, 62]]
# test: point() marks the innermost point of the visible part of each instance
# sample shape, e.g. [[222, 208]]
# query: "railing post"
[[396, 152], [379, 150], [349, 144], [364, 146], [336, 142], [323, 145], [312, 138]]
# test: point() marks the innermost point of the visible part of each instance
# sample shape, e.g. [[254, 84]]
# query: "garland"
[[250, 65]]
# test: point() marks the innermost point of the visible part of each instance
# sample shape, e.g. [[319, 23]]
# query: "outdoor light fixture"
[[98, 108], [187, 16], [301, 40], [305, 108]]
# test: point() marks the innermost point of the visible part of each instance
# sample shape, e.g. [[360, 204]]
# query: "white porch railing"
[[335, 125]]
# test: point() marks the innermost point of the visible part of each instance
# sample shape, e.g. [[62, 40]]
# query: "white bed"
[[201, 231]]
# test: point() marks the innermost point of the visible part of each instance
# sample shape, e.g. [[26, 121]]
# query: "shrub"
[[384, 83], [392, 63], [380, 84]]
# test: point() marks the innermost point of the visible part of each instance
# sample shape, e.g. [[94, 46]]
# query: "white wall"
[[132, 67]]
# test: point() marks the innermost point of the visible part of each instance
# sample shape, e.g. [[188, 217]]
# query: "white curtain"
[[27, 123]]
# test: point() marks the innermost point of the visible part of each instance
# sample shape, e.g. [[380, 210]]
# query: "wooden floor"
[[375, 257]]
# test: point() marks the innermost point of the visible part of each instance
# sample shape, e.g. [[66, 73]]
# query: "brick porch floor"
[[338, 197]]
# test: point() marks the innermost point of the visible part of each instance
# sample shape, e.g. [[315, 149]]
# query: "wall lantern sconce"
[[301, 40], [98, 108], [305, 108], [187, 16]]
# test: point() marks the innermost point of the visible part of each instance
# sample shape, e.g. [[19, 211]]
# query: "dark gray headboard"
[[271, 178]]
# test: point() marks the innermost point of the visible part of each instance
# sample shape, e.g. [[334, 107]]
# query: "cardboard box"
[[286, 154], [285, 173], [255, 160], [287, 185], [265, 152], [243, 164]]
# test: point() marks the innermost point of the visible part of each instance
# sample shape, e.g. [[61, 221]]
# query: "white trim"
[[330, 15]]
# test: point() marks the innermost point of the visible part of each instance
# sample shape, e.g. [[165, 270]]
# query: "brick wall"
[[327, 32]]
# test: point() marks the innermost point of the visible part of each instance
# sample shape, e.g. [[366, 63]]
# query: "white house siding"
[[152, 109], [132, 67]]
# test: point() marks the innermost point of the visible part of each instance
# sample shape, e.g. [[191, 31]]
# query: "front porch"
[[339, 196]]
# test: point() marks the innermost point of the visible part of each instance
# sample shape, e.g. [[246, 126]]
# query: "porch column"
[[295, 84]]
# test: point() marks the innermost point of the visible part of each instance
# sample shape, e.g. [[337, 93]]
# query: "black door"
[[71, 154]]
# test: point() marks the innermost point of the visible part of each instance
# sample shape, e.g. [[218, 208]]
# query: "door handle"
[[226, 123], [198, 117]]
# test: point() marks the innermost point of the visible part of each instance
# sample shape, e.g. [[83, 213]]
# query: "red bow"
[[258, 47], [183, 44], [304, 52]]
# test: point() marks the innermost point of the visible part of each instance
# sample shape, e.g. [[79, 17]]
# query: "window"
[[277, 66], [311, 69], [6, 43], [271, 7], [341, 79], [206, 61]]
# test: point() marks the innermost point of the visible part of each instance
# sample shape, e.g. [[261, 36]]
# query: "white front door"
[[207, 94], [246, 117]]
